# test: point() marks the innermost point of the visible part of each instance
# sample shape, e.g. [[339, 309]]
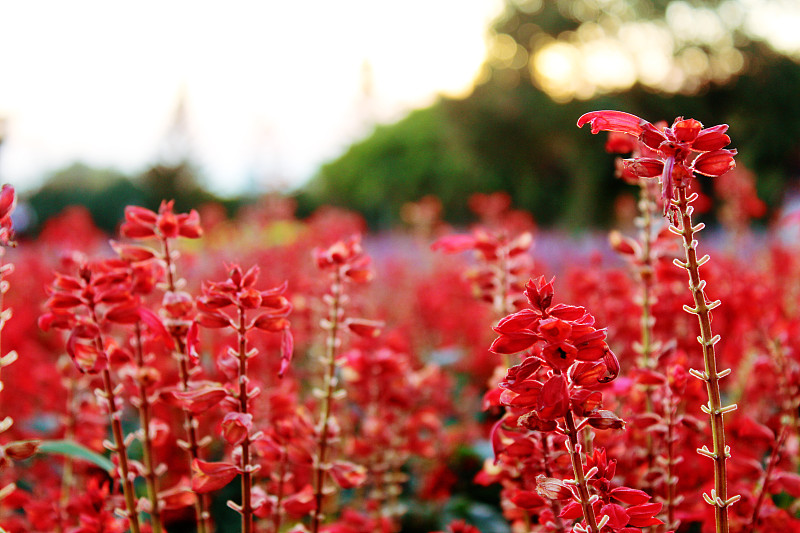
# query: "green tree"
[[516, 131]]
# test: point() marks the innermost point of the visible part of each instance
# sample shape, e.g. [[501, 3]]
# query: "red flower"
[[208, 477], [141, 223], [676, 148], [236, 427]]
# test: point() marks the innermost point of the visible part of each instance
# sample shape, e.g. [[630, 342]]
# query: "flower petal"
[[609, 120], [715, 163]]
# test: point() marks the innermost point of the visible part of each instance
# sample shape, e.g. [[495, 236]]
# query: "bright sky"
[[272, 87]]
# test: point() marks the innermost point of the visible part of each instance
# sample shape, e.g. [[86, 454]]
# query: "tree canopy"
[[516, 131]]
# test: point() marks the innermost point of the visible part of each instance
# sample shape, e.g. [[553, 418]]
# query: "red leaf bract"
[[644, 167], [629, 496], [715, 163], [554, 399], [686, 130], [209, 476], [508, 344], [711, 139]]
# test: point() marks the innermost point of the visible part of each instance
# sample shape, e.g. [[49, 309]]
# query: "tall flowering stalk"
[[86, 305], [552, 391], [177, 308], [681, 151], [344, 262], [144, 273], [12, 450], [231, 304]]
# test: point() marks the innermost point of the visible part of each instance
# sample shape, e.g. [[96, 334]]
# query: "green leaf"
[[73, 449]]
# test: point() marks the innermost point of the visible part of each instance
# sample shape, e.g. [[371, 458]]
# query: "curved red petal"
[[609, 120], [715, 163]]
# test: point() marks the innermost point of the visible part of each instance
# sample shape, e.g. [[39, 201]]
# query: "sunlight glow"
[[271, 89]]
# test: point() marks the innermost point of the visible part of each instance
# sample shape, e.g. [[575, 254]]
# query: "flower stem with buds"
[[714, 409], [773, 460], [190, 421], [580, 479], [150, 476], [331, 345], [109, 395], [247, 475], [554, 505], [120, 449]]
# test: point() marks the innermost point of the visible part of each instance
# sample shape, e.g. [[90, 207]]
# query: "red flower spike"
[[208, 477], [141, 223]]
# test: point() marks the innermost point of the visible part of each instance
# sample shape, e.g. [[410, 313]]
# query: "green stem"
[[702, 308], [773, 460], [670, 406], [554, 505], [247, 476], [577, 467], [150, 476], [320, 466], [115, 417], [120, 449], [190, 423], [277, 515]]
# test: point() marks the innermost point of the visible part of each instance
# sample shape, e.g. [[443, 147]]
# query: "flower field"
[[275, 374]]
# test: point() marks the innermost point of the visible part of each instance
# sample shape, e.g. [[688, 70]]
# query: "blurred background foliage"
[[549, 61]]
